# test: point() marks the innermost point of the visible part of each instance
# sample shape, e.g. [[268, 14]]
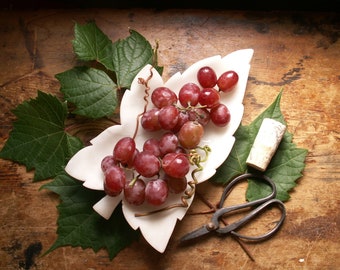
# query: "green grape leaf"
[[130, 56], [79, 225], [126, 57], [90, 43], [284, 169], [38, 139], [91, 90]]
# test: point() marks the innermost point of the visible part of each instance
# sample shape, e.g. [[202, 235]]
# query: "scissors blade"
[[196, 233]]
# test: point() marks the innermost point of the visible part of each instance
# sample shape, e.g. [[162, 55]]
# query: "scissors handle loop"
[[261, 204], [258, 210], [245, 176]]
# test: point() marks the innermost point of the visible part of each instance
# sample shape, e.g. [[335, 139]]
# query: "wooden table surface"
[[294, 51]]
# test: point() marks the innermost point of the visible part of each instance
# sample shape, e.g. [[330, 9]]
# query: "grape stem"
[[146, 91], [133, 181], [190, 107]]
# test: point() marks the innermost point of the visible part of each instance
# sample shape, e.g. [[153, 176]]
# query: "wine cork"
[[265, 144]]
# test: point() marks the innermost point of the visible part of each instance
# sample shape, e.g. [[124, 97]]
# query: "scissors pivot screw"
[[211, 226]]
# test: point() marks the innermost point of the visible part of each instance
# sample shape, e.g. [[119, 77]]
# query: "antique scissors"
[[256, 206]]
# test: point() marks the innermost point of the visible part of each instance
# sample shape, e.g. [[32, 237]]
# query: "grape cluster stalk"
[[161, 166]]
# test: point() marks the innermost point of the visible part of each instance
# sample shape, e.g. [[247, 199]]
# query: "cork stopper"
[[265, 144]]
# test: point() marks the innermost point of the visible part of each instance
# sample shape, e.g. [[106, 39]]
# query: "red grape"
[[176, 164], [147, 164], [134, 192], [207, 77], [130, 162], [180, 149], [168, 143], [227, 81], [107, 162], [201, 115], [149, 120], [209, 97], [114, 181], [156, 192], [152, 146], [220, 115], [124, 150], [176, 185], [168, 117], [163, 96], [188, 94], [182, 118]]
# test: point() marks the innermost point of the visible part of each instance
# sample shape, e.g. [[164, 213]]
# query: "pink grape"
[[107, 162], [190, 134], [152, 146], [147, 164], [168, 143], [131, 161], [182, 118], [149, 120], [163, 96], [114, 181], [134, 192], [180, 149], [168, 117], [156, 192], [124, 150], [188, 94], [201, 115]]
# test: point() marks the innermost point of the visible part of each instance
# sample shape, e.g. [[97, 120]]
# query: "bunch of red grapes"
[[162, 164]]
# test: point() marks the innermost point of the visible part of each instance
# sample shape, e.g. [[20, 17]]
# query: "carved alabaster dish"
[[85, 165]]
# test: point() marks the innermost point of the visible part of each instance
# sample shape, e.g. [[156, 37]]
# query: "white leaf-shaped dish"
[[86, 164]]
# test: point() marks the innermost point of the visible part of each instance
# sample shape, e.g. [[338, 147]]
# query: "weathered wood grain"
[[296, 52]]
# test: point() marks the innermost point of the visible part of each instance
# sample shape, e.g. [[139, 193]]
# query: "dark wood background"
[[262, 5]]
